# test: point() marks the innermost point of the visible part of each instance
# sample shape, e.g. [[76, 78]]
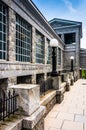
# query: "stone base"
[[67, 87], [56, 82], [72, 82], [39, 126], [35, 121], [49, 100], [60, 95]]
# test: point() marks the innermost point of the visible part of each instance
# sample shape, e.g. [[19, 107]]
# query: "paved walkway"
[[71, 113]]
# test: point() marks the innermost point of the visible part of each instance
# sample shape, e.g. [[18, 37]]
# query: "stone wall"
[[83, 59], [50, 105]]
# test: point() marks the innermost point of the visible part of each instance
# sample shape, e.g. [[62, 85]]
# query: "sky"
[[65, 9]]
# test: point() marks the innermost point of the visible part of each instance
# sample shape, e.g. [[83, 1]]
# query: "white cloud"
[[69, 5]]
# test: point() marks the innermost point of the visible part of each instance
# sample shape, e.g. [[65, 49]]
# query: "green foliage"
[[84, 74]]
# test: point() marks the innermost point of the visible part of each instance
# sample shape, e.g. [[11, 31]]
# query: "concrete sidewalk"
[[71, 113]]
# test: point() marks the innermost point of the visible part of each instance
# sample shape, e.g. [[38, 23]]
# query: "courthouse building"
[[25, 52]]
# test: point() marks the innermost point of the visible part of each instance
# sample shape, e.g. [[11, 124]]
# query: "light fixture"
[[53, 43], [72, 57]]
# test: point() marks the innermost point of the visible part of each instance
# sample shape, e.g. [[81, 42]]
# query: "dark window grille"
[[70, 38], [45, 85], [40, 48], [8, 105], [23, 40], [3, 31]]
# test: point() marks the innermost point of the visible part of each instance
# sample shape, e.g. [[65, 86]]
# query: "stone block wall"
[[50, 105]]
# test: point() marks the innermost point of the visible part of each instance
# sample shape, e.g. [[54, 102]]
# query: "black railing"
[[8, 105]]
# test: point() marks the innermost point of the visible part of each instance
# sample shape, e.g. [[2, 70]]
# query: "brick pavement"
[[71, 113]]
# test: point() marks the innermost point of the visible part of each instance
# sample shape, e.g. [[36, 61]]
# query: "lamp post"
[[72, 70], [54, 44], [80, 72], [72, 59]]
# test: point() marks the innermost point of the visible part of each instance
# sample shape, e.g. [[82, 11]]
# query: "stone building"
[[70, 32], [25, 58], [25, 52]]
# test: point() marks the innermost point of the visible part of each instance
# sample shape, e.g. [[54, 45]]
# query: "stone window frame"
[[3, 31], [23, 40], [40, 48], [59, 56]]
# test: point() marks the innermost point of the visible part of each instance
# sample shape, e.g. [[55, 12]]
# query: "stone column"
[[11, 42], [34, 79], [77, 51], [71, 77], [12, 35]]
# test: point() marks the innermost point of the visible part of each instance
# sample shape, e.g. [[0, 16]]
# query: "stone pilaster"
[[34, 79], [12, 81], [77, 51], [12, 35], [33, 45]]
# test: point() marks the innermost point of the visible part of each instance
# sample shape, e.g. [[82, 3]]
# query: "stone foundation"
[[60, 95], [49, 100], [50, 105], [39, 125], [35, 121]]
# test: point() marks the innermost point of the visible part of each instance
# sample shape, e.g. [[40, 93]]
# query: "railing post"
[[1, 109], [8, 103]]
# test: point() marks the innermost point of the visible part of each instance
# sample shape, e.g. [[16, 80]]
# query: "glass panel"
[[0, 26], [4, 46], [0, 17], [0, 45], [4, 28], [4, 57], [4, 37], [4, 10], [0, 7], [0, 55], [4, 19], [1, 36]]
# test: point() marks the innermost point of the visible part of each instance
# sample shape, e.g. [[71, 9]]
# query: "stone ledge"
[[48, 97], [12, 124], [30, 122], [63, 84], [60, 95], [60, 91]]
